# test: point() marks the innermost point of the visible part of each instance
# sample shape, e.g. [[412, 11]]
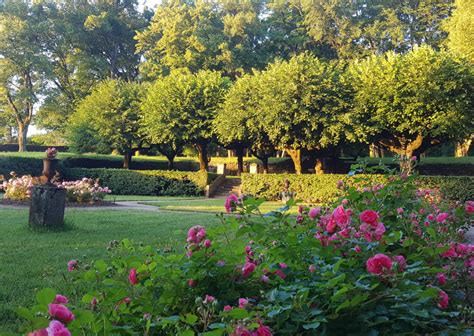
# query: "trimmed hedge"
[[20, 165], [323, 189], [150, 182]]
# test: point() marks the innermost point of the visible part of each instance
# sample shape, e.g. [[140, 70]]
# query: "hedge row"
[[322, 188], [150, 182]]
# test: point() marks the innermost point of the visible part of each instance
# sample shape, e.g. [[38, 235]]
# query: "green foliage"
[[460, 27], [410, 102], [323, 189], [154, 183]]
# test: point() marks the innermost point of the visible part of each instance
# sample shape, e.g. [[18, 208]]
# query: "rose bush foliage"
[[383, 260], [85, 190]]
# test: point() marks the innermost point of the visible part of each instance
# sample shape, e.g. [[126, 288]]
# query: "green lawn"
[[207, 205], [30, 261], [121, 198]]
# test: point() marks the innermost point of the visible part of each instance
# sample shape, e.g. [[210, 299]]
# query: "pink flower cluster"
[[51, 153], [60, 315], [231, 203], [371, 228], [19, 188], [380, 264], [84, 191], [197, 240], [262, 330]]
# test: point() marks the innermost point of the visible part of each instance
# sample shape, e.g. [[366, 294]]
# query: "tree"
[[238, 124], [411, 102], [22, 63], [179, 108], [304, 105], [112, 112]]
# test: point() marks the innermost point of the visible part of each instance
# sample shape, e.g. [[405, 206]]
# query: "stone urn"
[[49, 169]]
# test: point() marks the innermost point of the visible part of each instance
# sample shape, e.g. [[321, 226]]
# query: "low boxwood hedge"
[[150, 182], [323, 188]]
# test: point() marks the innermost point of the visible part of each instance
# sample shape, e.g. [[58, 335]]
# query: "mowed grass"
[[31, 260], [207, 205]]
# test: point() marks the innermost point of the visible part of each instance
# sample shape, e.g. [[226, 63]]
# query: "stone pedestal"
[[221, 169], [253, 168], [47, 207]]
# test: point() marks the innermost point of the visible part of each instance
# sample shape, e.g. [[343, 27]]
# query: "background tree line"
[[305, 76]]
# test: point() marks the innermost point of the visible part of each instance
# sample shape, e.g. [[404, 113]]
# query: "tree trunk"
[[295, 155], [240, 160], [264, 164], [202, 154], [462, 148], [170, 162], [22, 136], [127, 160], [318, 168]]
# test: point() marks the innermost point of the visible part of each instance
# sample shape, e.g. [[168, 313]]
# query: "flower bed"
[[18, 188], [384, 260]]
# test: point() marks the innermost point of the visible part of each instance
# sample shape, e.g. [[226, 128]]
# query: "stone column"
[[47, 207]]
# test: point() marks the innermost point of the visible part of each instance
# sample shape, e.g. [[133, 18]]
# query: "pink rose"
[[314, 212], [248, 268], [94, 302], [357, 249], [400, 211], [207, 243], [243, 303], [379, 264], [56, 328], [231, 203], [227, 308], [469, 207], [430, 217], [441, 278], [192, 283], [40, 332], [209, 299], [370, 217], [132, 276], [241, 331], [60, 312], [263, 331], [342, 217], [72, 265], [443, 299], [441, 218], [60, 299], [283, 265], [280, 274], [331, 225], [401, 261]]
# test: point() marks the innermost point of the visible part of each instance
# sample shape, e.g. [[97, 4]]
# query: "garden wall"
[[323, 189]]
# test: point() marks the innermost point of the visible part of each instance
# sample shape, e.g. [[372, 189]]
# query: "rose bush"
[[18, 188], [383, 260], [85, 190]]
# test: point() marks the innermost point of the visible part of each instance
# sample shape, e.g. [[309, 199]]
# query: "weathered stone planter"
[[49, 169], [47, 207]]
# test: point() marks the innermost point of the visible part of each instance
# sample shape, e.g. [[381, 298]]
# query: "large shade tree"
[[112, 112], [304, 106], [180, 108], [414, 101], [22, 64], [239, 123]]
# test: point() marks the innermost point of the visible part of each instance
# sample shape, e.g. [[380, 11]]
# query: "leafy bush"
[[19, 188], [150, 182], [323, 188], [20, 165], [382, 260], [84, 191]]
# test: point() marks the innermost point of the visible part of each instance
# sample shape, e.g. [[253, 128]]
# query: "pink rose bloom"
[[379, 264], [280, 274], [401, 261], [314, 212], [400, 211], [283, 265], [357, 249], [209, 299], [207, 243], [469, 207], [331, 225], [56, 328], [441, 278], [231, 203], [443, 299], [40, 332], [441, 218], [263, 331], [60, 312], [227, 308], [71, 265], [201, 234], [342, 217], [241, 331], [451, 253], [248, 268], [132, 276], [430, 217], [265, 279], [196, 234], [192, 283], [94, 302], [312, 268], [243, 303], [60, 299], [370, 217]]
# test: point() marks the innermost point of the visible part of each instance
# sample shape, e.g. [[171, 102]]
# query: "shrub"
[[153, 182], [84, 191], [323, 188], [382, 260], [18, 188], [20, 165]]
